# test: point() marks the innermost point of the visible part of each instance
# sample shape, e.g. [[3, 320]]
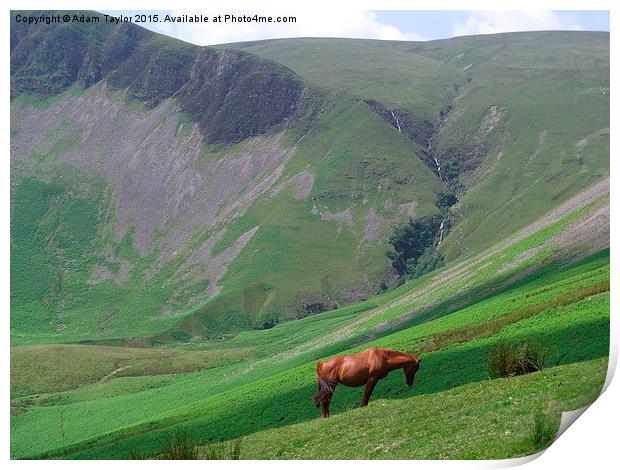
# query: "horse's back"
[[354, 369]]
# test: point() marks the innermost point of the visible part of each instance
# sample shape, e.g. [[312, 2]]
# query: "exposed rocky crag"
[[233, 95]]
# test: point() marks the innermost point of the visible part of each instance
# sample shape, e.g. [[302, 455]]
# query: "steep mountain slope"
[[453, 317], [525, 121], [180, 212], [169, 191]]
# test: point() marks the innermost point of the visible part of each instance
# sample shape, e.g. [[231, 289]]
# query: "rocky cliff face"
[[233, 95]]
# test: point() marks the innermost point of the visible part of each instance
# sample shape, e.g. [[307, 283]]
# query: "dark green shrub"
[[508, 360], [429, 261], [266, 320], [411, 241], [446, 199], [451, 169]]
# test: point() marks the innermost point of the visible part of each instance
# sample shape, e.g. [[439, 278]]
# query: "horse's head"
[[411, 370]]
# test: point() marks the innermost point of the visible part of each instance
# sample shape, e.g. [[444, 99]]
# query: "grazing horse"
[[354, 370]]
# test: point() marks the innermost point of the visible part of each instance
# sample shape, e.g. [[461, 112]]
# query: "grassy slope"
[[369, 69], [553, 97], [280, 399], [211, 404], [360, 164], [58, 234], [462, 423]]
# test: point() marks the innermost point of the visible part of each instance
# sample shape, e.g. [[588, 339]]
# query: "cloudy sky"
[[399, 25]]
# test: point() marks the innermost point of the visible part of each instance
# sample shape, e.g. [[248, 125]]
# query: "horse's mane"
[[390, 353]]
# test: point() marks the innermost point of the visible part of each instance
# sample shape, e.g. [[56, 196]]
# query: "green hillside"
[[550, 91], [422, 428], [324, 187], [193, 228], [565, 309]]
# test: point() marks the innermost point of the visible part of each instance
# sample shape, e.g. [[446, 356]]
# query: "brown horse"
[[366, 367]]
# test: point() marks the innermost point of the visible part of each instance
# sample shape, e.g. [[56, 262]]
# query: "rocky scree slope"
[[166, 175]]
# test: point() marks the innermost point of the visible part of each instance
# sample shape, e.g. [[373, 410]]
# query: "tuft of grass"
[[137, 455], [509, 360], [182, 447], [545, 429], [222, 451]]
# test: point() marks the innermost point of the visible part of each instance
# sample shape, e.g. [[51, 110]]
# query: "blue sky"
[[394, 25]]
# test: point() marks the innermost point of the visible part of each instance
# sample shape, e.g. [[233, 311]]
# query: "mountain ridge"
[[152, 68]]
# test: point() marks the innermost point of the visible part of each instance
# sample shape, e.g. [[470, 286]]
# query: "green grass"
[[56, 240], [217, 404], [485, 420], [368, 69], [52, 368]]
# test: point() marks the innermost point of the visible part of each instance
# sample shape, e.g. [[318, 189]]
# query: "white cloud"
[[341, 24], [487, 22]]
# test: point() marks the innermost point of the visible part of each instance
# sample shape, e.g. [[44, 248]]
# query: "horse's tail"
[[325, 387]]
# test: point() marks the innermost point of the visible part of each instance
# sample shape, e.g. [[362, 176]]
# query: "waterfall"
[[440, 233], [438, 166], [429, 152], [396, 120]]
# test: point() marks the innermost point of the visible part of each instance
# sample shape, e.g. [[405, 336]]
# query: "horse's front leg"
[[370, 386], [325, 406]]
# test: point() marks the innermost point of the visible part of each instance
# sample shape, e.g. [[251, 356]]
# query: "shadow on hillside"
[[441, 370]]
